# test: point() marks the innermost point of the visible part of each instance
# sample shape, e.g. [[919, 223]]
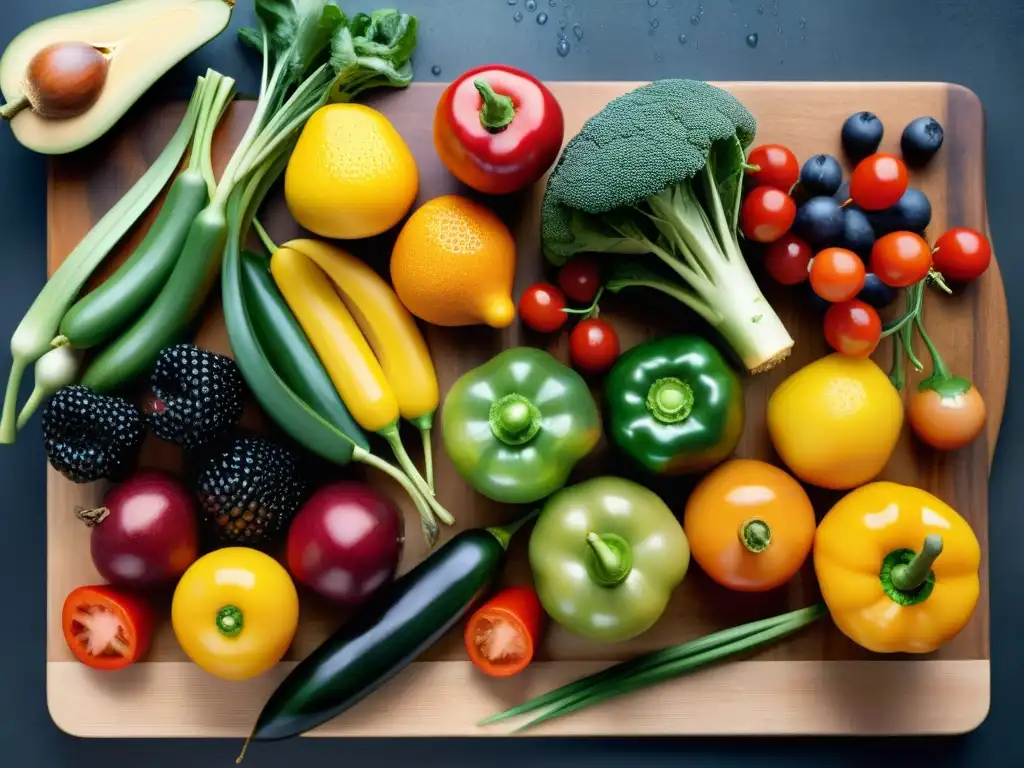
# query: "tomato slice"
[[105, 628], [502, 635]]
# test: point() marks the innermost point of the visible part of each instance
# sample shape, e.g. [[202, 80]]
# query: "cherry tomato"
[[947, 420], [853, 328], [580, 279], [878, 182], [767, 214], [962, 254], [541, 307], [504, 632], [901, 259], [593, 345], [837, 274], [787, 259], [778, 166], [105, 628]]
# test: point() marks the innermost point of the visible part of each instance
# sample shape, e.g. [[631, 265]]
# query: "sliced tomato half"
[[502, 635], [106, 628]]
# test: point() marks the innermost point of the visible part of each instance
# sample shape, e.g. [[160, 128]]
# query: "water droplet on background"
[[802, 24], [760, 10], [775, 8], [553, 3], [657, 56], [518, 16], [683, 40], [531, 5], [577, 29], [652, 3], [803, 38], [562, 22], [695, 19], [781, 60], [752, 40], [563, 46], [655, 23], [435, 70], [542, 18], [512, 2]]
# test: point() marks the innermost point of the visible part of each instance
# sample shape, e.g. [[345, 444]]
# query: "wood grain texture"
[[971, 329]]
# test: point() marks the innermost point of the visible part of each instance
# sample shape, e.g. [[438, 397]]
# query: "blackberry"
[[197, 396], [250, 492], [89, 436]]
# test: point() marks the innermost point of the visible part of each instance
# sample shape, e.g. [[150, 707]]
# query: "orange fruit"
[[454, 264], [351, 175]]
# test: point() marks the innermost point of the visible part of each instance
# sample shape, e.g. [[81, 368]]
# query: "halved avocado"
[[146, 38]]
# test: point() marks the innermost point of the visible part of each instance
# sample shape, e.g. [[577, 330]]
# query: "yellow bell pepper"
[[898, 568]]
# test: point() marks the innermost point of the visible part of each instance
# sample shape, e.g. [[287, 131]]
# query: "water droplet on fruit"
[[542, 18], [577, 29], [752, 40], [435, 70], [562, 47]]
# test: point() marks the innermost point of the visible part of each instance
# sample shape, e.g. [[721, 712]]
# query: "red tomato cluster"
[[593, 343], [837, 275]]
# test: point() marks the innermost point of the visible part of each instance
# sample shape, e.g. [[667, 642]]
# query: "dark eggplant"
[[401, 621]]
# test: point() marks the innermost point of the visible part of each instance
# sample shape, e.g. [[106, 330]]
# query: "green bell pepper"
[[516, 426], [674, 405], [606, 555]]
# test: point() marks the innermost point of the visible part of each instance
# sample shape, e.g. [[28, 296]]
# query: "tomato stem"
[[592, 310], [755, 535]]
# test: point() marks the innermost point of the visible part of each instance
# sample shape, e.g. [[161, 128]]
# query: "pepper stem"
[[910, 576], [497, 111], [755, 534], [230, 621], [505, 533], [670, 400], [514, 420], [613, 558]]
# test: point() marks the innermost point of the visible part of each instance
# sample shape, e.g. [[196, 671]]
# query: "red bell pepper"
[[498, 129]]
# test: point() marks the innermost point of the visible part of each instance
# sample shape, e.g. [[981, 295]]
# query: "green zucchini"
[[382, 638], [105, 311], [166, 320], [288, 349]]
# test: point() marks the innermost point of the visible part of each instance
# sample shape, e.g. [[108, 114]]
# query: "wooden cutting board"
[[815, 683]]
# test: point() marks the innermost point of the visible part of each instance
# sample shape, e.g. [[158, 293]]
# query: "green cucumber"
[[168, 318], [106, 311], [288, 349]]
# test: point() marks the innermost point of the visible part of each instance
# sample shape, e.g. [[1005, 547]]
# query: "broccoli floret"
[[659, 170]]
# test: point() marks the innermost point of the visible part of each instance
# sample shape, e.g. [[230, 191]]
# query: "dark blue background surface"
[[974, 42]]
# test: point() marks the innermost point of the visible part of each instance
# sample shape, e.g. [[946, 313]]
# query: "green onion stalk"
[[659, 666]]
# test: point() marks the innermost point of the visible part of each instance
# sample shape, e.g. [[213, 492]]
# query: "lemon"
[[351, 175], [454, 264], [836, 421]]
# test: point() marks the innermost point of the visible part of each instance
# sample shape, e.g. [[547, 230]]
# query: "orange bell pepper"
[[898, 568]]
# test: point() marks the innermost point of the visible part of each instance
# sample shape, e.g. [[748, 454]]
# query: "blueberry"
[[921, 140], [858, 234], [843, 193], [862, 133], [876, 293], [912, 213], [821, 175], [819, 221], [814, 300]]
